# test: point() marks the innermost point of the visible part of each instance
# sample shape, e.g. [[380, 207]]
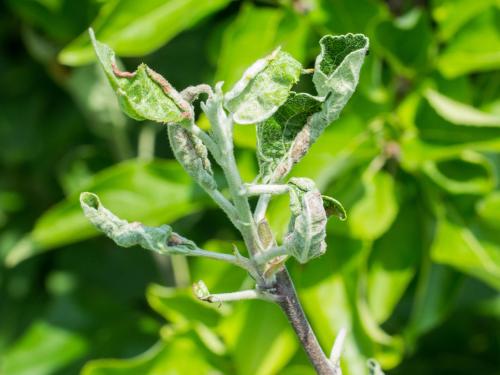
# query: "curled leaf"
[[333, 207], [336, 73], [160, 239], [143, 94], [192, 154], [263, 88], [284, 138], [307, 229]]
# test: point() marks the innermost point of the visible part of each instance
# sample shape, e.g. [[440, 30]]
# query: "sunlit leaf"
[[307, 229], [44, 349], [460, 113], [474, 48], [278, 146], [135, 28], [130, 189], [143, 94], [374, 213], [263, 88]]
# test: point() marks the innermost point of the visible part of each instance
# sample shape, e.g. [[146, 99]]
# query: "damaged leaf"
[[307, 229], [143, 94], [160, 239], [284, 138], [263, 88], [190, 151]]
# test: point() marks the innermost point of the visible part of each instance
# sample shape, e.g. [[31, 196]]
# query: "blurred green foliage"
[[414, 272]]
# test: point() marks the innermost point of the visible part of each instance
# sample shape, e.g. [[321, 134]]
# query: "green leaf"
[[469, 247], [333, 207], [393, 263], [336, 74], [135, 28], [263, 88], [469, 173], [143, 94], [279, 145], [374, 213], [406, 42], [452, 15], [43, 350], [474, 48], [131, 189], [159, 239], [190, 151], [459, 113], [180, 354], [260, 338], [307, 229], [488, 209]]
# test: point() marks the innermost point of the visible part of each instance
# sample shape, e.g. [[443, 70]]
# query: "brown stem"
[[290, 304]]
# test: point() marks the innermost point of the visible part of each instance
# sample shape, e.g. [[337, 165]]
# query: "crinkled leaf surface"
[[278, 143], [131, 189], [336, 73], [307, 229], [263, 88], [160, 239], [190, 151], [143, 94], [135, 28]]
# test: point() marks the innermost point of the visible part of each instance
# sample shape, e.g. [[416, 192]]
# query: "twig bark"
[[289, 303]]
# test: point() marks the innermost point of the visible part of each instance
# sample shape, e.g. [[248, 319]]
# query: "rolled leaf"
[[263, 88], [307, 229], [143, 94], [160, 239], [286, 137], [192, 154], [336, 72], [283, 139], [333, 207]]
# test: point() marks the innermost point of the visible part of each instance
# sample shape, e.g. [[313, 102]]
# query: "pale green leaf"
[[459, 113], [469, 248], [468, 173], [263, 88], [279, 145], [374, 213], [393, 263], [336, 74], [159, 239], [259, 337], [43, 350], [131, 189], [190, 151], [475, 48], [307, 229], [135, 28], [143, 94], [181, 354], [488, 209]]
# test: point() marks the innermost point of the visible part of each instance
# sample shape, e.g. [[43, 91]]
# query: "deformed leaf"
[[284, 138], [336, 73], [307, 229], [190, 151], [333, 207], [160, 239], [263, 88], [143, 94]]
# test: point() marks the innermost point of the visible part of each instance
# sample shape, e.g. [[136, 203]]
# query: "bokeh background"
[[413, 273]]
